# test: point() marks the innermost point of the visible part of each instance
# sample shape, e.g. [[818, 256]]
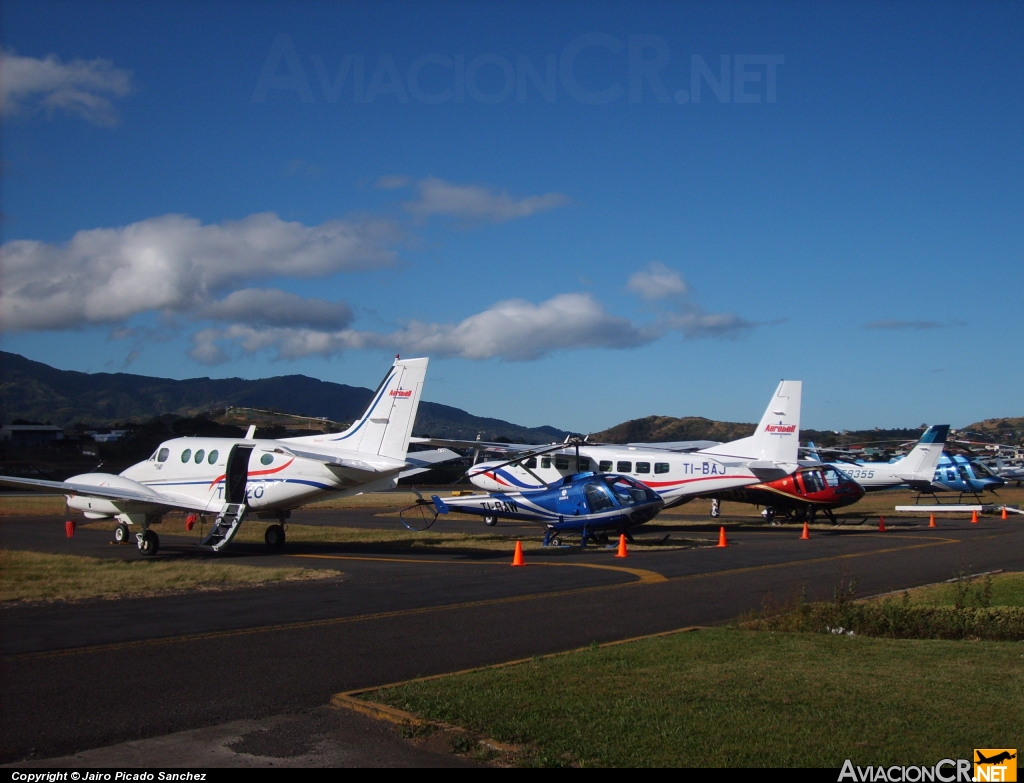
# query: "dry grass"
[[37, 576], [32, 505]]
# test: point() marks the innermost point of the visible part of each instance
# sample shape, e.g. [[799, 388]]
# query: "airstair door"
[[237, 474]]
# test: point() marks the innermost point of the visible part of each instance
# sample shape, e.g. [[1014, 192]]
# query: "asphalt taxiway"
[[95, 673]]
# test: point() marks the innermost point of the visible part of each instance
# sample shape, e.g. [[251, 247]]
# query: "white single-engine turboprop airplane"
[[916, 469], [770, 453], [232, 477]]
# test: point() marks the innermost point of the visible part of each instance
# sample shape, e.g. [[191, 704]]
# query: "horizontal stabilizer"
[[439, 505]]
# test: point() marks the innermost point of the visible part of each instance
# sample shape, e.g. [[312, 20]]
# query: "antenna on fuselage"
[[251, 432]]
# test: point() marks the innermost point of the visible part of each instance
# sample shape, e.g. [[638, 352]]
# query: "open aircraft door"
[[236, 476]]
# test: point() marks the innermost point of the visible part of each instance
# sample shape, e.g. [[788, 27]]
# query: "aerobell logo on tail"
[[780, 428], [403, 394]]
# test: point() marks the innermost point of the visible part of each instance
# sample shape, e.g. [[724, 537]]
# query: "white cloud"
[[173, 263], [471, 202], [513, 330], [657, 281], [694, 323], [278, 308], [82, 87]]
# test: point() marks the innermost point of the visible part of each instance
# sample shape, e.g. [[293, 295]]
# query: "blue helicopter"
[[591, 504], [957, 473]]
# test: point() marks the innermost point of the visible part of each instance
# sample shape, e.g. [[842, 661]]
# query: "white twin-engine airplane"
[[769, 454], [233, 477]]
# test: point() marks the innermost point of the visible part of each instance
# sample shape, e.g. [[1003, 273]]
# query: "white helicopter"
[[235, 477], [676, 471]]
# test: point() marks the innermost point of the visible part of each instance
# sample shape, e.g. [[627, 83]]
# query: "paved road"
[[91, 674]]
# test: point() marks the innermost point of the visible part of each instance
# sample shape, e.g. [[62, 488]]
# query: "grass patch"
[[1005, 589], [32, 505], [735, 698], [35, 576], [964, 609]]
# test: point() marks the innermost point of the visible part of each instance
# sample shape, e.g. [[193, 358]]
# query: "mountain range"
[[34, 391]]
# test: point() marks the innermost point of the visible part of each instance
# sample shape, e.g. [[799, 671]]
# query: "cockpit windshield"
[[598, 498], [629, 492], [835, 477], [980, 471]]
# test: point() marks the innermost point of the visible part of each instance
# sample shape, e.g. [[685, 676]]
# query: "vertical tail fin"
[[919, 464], [777, 437], [386, 425]]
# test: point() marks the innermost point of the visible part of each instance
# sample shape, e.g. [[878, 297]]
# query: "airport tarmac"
[[109, 678]]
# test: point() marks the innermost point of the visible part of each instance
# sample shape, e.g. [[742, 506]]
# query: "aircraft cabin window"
[[199, 456], [597, 498], [561, 463], [162, 455], [545, 462], [186, 455], [606, 465], [950, 474], [643, 467], [212, 459], [584, 464], [624, 467], [266, 459], [661, 467], [530, 463]]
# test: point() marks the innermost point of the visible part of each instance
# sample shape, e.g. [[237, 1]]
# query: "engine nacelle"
[[101, 508]]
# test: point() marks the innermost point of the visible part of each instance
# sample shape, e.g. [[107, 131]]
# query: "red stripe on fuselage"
[[251, 473]]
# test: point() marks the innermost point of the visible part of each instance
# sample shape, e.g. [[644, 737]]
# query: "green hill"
[[35, 391]]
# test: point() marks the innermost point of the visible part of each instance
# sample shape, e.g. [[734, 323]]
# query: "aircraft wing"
[[682, 446], [150, 497], [503, 448], [333, 460], [422, 461], [382, 465]]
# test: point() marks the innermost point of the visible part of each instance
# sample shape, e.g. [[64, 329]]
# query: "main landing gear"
[[149, 542], [274, 536], [716, 508], [490, 521]]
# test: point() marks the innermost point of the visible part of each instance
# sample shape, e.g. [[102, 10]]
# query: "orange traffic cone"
[[722, 541], [974, 517], [1004, 513], [881, 524], [623, 552], [517, 558], [806, 534], [931, 520]]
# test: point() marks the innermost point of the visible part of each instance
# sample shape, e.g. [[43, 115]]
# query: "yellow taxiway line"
[[331, 621]]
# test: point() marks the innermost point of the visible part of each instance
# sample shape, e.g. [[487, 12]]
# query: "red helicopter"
[[801, 495]]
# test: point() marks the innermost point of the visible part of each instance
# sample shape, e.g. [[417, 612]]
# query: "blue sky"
[[583, 212]]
